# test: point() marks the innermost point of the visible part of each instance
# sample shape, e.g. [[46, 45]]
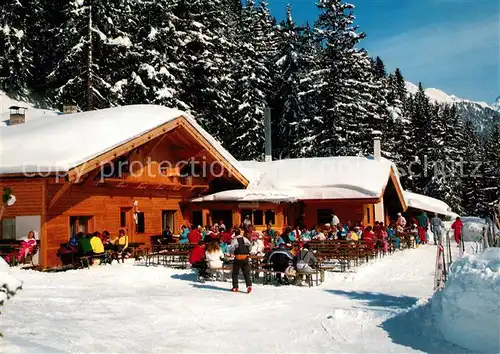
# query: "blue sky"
[[452, 45]]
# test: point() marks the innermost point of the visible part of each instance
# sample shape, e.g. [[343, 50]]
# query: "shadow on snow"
[[415, 328], [378, 299]]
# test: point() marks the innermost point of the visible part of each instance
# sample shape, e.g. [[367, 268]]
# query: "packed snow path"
[[126, 308]]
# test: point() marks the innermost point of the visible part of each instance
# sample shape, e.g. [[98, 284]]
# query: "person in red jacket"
[[457, 228], [194, 235], [197, 259], [368, 236], [226, 236]]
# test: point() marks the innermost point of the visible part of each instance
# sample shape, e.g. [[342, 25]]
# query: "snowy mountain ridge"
[[483, 115], [440, 96]]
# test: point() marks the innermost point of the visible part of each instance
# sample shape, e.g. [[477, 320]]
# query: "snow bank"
[[473, 229], [467, 311], [9, 285]]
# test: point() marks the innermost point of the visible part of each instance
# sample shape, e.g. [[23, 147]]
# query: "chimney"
[[17, 115], [69, 108], [267, 128], [377, 150]]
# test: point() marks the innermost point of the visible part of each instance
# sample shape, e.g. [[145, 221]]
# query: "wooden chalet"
[[61, 171], [306, 191]]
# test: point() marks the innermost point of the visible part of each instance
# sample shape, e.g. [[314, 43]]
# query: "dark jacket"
[[281, 259]]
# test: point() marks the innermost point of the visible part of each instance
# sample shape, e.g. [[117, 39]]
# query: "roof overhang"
[[77, 172]]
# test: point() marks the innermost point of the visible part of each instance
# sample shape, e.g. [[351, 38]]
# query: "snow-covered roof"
[[31, 114], [66, 141], [423, 202], [311, 178]]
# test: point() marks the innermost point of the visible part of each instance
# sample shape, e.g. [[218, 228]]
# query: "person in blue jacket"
[[183, 236]]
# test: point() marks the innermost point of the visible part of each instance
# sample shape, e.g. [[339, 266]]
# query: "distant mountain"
[[480, 113], [496, 105]]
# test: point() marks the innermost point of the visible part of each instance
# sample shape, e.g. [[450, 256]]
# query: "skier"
[[457, 228], [240, 247], [436, 225]]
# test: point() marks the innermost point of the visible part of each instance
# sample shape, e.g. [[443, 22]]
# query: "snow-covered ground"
[[132, 308]]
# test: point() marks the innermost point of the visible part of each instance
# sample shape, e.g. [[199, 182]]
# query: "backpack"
[[301, 264], [242, 247]]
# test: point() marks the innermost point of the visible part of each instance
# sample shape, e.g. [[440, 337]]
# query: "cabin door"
[[127, 221]]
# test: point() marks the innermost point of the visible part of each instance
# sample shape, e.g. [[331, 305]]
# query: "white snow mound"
[[9, 285], [467, 311]]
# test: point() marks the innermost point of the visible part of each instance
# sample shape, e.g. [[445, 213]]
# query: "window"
[[258, 217], [167, 219], [123, 218], [244, 213], [368, 216], [324, 216], [225, 215], [8, 229], [197, 217], [270, 217], [140, 225], [79, 224]]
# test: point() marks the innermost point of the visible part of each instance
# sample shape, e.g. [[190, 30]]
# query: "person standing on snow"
[[436, 228], [240, 247], [423, 224], [457, 228]]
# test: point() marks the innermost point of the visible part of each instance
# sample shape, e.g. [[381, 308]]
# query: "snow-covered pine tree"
[[492, 164], [88, 77], [251, 82], [444, 154], [421, 127], [15, 51], [288, 109], [473, 193], [208, 53], [156, 67], [398, 131], [347, 91], [309, 84]]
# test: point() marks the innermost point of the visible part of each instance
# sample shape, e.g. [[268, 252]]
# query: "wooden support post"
[[59, 194]]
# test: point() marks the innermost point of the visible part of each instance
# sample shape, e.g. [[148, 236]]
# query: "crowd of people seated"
[[99, 246], [290, 249]]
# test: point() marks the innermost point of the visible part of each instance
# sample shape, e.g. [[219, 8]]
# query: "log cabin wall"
[[103, 206], [29, 197]]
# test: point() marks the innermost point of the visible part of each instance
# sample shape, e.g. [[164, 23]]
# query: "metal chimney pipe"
[[377, 149], [267, 130]]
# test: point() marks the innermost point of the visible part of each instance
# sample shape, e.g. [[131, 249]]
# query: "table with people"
[[86, 249]]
